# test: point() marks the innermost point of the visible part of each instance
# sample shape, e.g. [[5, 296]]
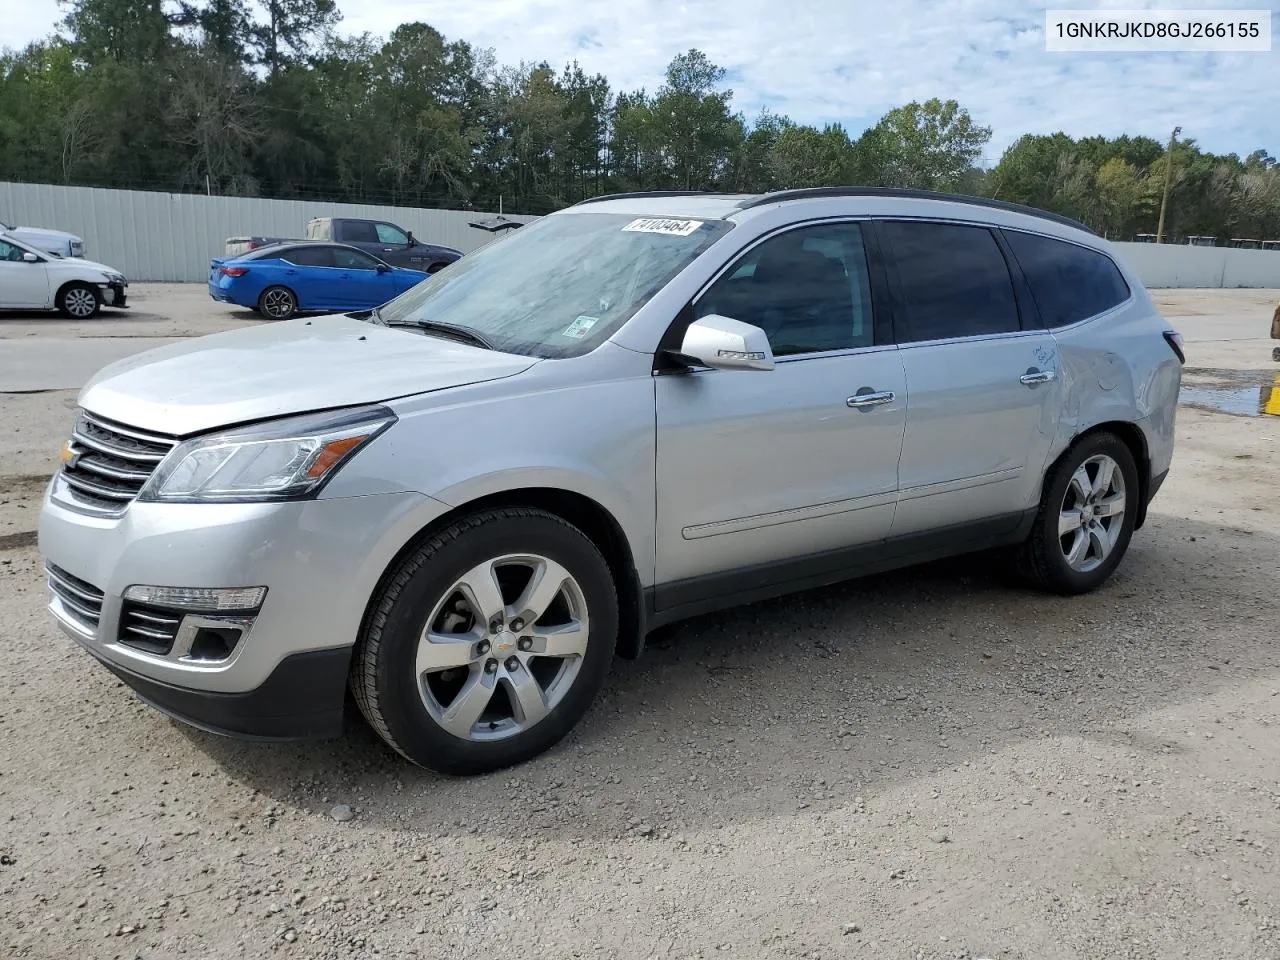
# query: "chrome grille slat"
[[149, 633], [80, 601], [110, 463], [66, 584], [114, 473], [98, 490], [155, 618], [120, 453]]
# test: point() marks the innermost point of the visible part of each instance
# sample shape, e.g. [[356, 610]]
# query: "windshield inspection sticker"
[[580, 327], [674, 228]]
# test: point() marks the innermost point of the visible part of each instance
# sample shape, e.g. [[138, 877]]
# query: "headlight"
[[279, 460]]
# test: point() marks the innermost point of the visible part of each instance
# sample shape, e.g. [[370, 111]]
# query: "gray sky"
[[850, 61]]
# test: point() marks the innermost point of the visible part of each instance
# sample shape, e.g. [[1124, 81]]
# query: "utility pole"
[[1168, 176]]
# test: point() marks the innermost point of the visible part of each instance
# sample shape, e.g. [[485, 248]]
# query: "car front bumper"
[[284, 675]]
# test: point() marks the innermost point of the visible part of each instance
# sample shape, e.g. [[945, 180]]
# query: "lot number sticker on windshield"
[[675, 228], [580, 327]]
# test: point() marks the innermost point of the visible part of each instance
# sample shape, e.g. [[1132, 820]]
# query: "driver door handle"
[[1032, 377], [862, 401]]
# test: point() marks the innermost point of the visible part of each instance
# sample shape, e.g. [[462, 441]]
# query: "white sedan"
[[31, 279]]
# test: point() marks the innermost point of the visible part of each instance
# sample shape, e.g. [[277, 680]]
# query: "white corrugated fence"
[[172, 236]]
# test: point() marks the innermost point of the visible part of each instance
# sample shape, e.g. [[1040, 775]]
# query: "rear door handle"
[[863, 401], [1032, 377]]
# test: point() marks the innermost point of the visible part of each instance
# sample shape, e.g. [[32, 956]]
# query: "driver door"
[[22, 284], [766, 476]]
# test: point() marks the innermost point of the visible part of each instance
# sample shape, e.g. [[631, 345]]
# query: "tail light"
[[235, 271], [1174, 339]]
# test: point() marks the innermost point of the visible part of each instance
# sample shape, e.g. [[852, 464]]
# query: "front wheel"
[[488, 642], [278, 303], [80, 301], [1086, 517]]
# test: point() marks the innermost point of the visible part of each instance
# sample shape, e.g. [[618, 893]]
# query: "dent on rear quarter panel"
[[1118, 367]]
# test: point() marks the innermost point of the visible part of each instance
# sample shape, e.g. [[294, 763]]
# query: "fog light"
[[199, 599]]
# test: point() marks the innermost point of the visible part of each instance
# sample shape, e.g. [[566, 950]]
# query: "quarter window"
[[952, 281], [807, 289], [1070, 283]]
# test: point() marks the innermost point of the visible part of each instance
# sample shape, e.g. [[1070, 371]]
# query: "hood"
[[41, 233], [278, 369], [87, 264]]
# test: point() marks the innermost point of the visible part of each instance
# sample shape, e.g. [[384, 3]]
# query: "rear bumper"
[[302, 699]]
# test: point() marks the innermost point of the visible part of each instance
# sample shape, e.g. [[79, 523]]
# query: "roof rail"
[[649, 193], [809, 193]]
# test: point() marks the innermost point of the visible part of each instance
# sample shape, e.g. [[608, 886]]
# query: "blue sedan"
[[288, 278]]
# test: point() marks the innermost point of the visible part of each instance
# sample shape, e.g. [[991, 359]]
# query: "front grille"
[[109, 463], [81, 601], [147, 628]]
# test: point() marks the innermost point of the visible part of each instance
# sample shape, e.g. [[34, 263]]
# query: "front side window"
[[807, 289], [561, 285], [353, 259], [952, 281], [11, 253], [389, 234], [1069, 283]]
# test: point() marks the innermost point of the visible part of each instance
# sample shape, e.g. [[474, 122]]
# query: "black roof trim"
[[652, 193], [811, 193]]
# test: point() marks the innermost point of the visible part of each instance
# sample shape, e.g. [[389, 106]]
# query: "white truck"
[[57, 242]]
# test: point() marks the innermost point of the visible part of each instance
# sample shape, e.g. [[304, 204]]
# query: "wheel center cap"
[[504, 644]]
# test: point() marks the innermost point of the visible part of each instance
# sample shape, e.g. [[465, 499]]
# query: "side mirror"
[[30, 258], [723, 343], [412, 240], [383, 268]]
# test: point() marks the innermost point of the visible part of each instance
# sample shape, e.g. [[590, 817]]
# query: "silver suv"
[[462, 506]]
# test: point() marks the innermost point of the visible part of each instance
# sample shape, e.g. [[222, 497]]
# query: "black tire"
[[278, 303], [79, 301], [1042, 560], [383, 675]]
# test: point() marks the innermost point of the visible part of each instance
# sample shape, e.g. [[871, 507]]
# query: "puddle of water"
[[1244, 393]]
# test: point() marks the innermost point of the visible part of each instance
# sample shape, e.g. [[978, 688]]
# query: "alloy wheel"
[[502, 647], [1091, 517], [277, 304], [80, 303]]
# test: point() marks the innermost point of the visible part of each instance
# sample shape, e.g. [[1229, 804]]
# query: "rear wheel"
[[1086, 517], [80, 301], [487, 643], [278, 303]]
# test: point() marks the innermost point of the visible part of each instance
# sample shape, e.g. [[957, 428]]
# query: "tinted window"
[[807, 289], [357, 231], [309, 256], [952, 279], [354, 259], [389, 234], [1069, 283]]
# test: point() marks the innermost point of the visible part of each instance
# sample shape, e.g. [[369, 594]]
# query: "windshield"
[[561, 285]]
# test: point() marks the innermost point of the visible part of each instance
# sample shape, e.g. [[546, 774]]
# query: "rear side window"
[[952, 281], [309, 256], [1070, 283], [358, 231]]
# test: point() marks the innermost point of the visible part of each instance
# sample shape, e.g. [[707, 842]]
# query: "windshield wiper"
[[465, 334]]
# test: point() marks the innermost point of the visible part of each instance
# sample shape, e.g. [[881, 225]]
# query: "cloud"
[[820, 61]]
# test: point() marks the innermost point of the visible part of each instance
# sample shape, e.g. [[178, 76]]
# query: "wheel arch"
[[74, 282], [588, 515], [1132, 436]]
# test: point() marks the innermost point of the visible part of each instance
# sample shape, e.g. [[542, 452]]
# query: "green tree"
[[930, 146]]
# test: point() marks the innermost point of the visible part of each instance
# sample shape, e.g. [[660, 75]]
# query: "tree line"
[[264, 98]]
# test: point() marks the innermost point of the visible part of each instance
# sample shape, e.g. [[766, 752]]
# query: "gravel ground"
[[927, 764]]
